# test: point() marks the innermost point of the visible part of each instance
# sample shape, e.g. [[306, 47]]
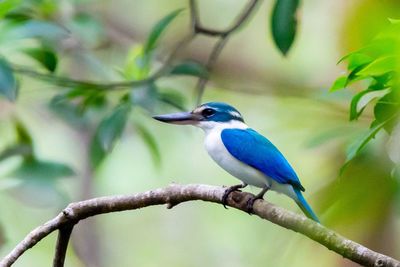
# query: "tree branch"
[[107, 86], [175, 194], [202, 82], [64, 234], [220, 44]]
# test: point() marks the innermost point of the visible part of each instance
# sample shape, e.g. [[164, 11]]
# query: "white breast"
[[218, 152]]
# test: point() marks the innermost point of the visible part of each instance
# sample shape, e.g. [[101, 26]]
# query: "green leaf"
[[67, 95], [190, 67], [158, 29], [360, 101], [355, 60], [383, 81], [97, 153], [68, 111], [8, 5], [137, 65], [20, 14], [173, 98], [381, 46], [284, 23], [107, 133], [94, 99], [353, 76], [35, 182], [355, 148], [44, 56], [22, 134], [16, 150], [151, 143], [88, 27], [339, 83], [387, 108], [37, 170], [8, 83], [39, 29], [111, 128], [354, 111], [85, 97], [380, 66], [145, 96], [358, 59]]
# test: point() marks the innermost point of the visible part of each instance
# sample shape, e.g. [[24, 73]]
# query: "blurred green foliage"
[[376, 67]]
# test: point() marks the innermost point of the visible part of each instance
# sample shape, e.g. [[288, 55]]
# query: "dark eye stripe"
[[207, 112]]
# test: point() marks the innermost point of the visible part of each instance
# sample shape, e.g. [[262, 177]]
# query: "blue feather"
[[257, 151], [302, 203]]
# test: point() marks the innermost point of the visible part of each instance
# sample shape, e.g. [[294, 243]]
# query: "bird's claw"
[[228, 191], [250, 204]]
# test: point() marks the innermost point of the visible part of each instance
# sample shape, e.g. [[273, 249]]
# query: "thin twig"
[[224, 36], [68, 82], [64, 234], [175, 194], [107, 86], [194, 15], [202, 82], [87, 241], [243, 16]]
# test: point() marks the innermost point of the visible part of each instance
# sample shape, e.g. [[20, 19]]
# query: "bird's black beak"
[[179, 118]]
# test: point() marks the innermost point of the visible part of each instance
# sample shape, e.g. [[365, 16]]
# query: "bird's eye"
[[208, 112]]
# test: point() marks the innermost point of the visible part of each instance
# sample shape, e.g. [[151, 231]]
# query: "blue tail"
[[304, 206]]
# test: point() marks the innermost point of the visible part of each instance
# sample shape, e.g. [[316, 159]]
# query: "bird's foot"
[[250, 202], [230, 190]]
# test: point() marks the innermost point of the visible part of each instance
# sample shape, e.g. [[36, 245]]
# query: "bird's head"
[[205, 116]]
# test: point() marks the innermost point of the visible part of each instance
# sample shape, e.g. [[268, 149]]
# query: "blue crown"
[[219, 112]]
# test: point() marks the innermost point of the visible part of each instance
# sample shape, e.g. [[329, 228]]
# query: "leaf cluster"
[[376, 68]]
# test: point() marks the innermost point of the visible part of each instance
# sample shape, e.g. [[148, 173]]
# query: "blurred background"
[[285, 98]]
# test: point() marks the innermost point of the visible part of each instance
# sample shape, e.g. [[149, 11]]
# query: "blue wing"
[[257, 151]]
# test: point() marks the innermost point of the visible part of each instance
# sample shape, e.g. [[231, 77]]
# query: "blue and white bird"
[[243, 152]]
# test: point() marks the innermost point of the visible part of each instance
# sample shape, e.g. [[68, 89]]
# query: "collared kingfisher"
[[243, 152]]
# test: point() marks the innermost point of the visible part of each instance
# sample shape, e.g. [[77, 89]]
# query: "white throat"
[[212, 126], [218, 152]]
